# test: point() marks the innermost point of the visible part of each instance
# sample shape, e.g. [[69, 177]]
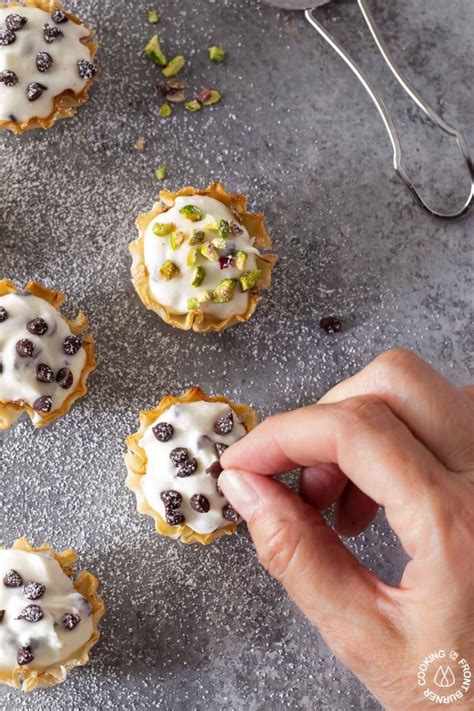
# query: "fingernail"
[[239, 490]]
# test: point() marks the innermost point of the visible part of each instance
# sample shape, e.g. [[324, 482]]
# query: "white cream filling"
[[175, 293], [20, 57], [193, 425], [18, 382], [48, 639]]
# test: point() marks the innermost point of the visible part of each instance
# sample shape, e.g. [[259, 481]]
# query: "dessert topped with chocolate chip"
[[183, 447], [44, 620], [42, 55]]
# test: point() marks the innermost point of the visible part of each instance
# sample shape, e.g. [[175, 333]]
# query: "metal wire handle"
[[387, 119]]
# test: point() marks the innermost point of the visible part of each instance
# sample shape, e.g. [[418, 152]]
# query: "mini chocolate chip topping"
[[199, 503], [187, 468], [58, 16], [44, 373], [43, 404], [2, 615], [33, 591], [86, 69], [72, 344], [3, 314], [34, 90], [12, 579], [70, 620], [15, 22], [174, 518], [43, 61], [6, 37], [224, 424], [230, 514], [220, 448], [178, 456], [330, 324], [64, 378], [31, 613], [51, 33], [163, 431], [8, 77], [171, 499], [25, 348], [214, 469], [37, 326], [24, 655]]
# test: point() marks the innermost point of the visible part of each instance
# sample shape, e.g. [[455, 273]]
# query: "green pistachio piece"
[[192, 212], [210, 224], [204, 296], [160, 173], [192, 257], [192, 304], [216, 54], [177, 239], [165, 110], [196, 237], [224, 229], [154, 52], [209, 251], [154, 18], [240, 259], [249, 279], [169, 270], [219, 242], [224, 291], [198, 276], [214, 97], [193, 105], [163, 228], [174, 66]]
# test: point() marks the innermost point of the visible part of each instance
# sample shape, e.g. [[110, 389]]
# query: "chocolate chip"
[[33, 591], [226, 262], [330, 324], [34, 90], [199, 503], [230, 514], [31, 613], [224, 424], [174, 518], [58, 16], [15, 22], [220, 448], [178, 456], [43, 61], [44, 373], [51, 33], [187, 468], [12, 579], [8, 78], [163, 431], [214, 469], [70, 620], [43, 404], [171, 499], [25, 348], [64, 378], [37, 326], [86, 69], [24, 655], [3, 314], [6, 37], [2, 615], [72, 344]]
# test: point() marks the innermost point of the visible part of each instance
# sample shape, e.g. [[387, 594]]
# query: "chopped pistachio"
[[198, 276], [154, 18], [169, 270], [165, 110], [219, 242], [223, 227], [193, 105], [213, 98], [249, 279], [209, 251], [204, 94], [160, 173], [210, 224], [174, 66], [204, 296], [240, 259], [154, 52], [163, 228], [192, 212], [224, 291], [177, 239], [196, 237], [192, 304], [192, 256], [216, 54]]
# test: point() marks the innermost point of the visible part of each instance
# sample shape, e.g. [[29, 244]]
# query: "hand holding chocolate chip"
[[395, 435]]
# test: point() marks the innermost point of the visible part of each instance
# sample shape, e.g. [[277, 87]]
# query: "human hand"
[[396, 435]]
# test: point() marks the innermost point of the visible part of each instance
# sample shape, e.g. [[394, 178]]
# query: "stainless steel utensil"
[[309, 8]]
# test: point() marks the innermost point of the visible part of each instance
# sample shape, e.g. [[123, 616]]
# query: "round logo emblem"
[[444, 676]]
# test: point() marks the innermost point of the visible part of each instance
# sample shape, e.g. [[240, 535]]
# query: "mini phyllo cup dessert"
[[173, 464], [45, 359], [199, 261], [48, 619], [46, 64]]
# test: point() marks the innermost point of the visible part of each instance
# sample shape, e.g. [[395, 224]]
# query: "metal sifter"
[[309, 8]]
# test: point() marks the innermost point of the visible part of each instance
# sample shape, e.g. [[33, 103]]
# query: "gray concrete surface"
[[193, 628]]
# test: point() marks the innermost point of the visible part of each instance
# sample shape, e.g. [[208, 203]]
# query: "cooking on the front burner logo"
[[445, 677]]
